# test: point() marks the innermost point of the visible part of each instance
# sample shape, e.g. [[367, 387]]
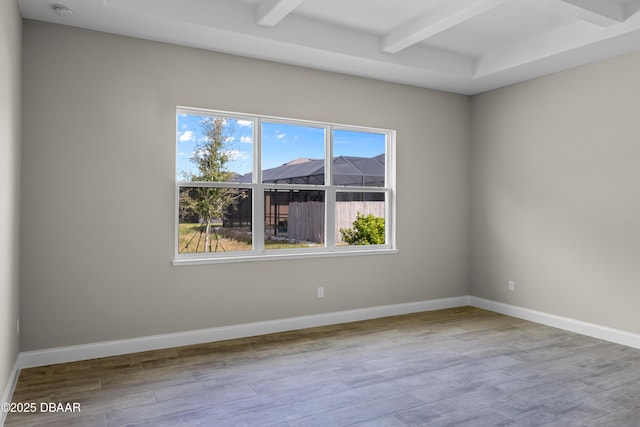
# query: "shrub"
[[367, 230]]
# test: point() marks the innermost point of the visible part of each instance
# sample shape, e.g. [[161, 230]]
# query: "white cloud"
[[186, 136], [246, 139], [237, 155], [280, 135], [245, 123]]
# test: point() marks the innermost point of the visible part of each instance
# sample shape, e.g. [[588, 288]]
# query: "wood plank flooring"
[[456, 367]]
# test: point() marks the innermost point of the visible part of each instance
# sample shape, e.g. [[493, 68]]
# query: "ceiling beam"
[[271, 12], [597, 12], [450, 14]]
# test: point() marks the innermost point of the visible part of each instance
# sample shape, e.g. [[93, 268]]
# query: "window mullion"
[[330, 193], [390, 186], [258, 198]]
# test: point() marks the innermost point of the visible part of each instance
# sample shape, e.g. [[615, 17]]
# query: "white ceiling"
[[462, 46]]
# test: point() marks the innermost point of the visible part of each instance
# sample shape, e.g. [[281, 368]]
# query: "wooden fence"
[[306, 219]]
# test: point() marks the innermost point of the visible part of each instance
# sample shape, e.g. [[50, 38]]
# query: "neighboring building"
[[347, 170]]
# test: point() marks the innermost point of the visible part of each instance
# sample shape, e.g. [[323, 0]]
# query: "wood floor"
[[456, 367]]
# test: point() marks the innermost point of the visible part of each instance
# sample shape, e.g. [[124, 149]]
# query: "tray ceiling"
[[462, 46]]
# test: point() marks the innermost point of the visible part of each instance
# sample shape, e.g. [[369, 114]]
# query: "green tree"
[[210, 203], [367, 230]]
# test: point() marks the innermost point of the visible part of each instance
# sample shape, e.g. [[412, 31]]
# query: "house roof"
[[347, 170]]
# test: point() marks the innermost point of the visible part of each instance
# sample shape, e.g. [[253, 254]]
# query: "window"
[[255, 187]]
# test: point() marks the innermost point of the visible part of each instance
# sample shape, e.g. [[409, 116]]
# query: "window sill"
[[179, 262]]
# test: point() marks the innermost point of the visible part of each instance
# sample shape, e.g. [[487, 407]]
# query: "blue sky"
[[281, 143]]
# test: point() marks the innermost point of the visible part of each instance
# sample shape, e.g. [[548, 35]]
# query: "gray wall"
[[98, 190], [556, 204], [548, 178], [10, 62]]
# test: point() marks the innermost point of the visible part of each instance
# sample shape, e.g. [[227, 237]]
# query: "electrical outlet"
[[320, 291], [512, 285]]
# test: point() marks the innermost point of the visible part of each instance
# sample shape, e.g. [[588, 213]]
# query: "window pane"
[[293, 219], [358, 158], [292, 154], [214, 219], [213, 148], [360, 218]]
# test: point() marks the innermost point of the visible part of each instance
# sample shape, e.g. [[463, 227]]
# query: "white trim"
[[258, 187], [281, 254], [10, 388], [35, 358], [585, 328]]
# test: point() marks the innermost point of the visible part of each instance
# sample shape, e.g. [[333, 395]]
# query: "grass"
[[191, 240], [271, 244]]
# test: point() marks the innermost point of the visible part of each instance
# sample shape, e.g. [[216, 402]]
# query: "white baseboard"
[[9, 389], [590, 329], [29, 359]]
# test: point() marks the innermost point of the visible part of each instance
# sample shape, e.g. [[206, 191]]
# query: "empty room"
[[320, 213]]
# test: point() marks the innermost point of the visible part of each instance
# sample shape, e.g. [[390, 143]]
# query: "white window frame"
[[258, 253]]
